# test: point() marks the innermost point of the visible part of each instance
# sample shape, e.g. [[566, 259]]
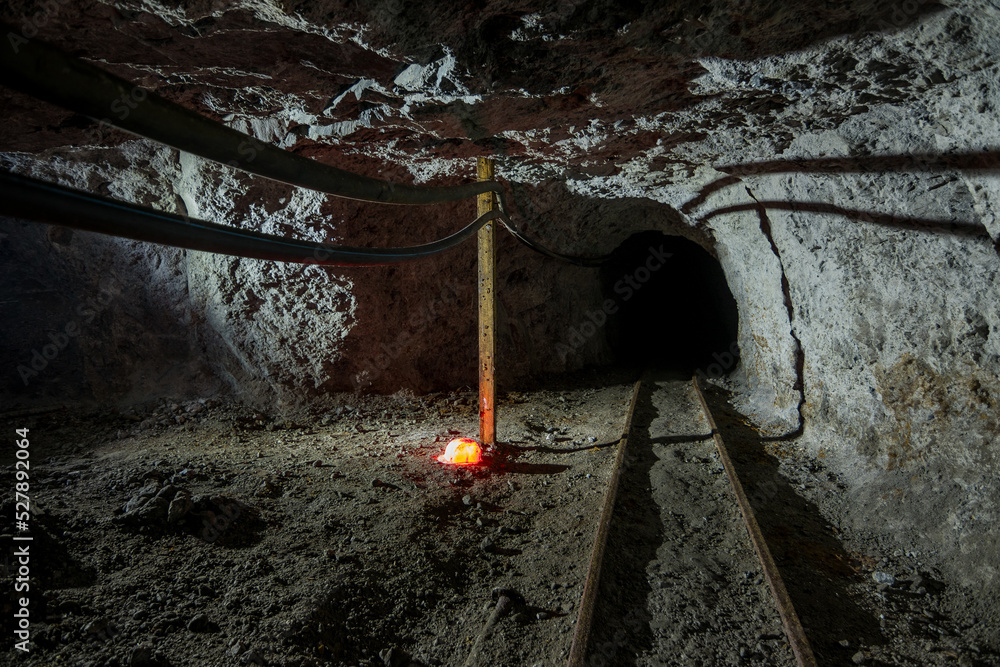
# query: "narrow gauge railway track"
[[595, 640]]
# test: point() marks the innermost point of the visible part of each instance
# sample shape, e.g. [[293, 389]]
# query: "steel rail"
[[793, 627], [36, 200], [61, 79], [581, 634], [789, 618]]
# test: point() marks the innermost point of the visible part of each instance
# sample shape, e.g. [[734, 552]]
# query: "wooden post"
[[487, 312]]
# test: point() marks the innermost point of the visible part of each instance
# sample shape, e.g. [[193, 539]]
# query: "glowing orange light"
[[462, 451]]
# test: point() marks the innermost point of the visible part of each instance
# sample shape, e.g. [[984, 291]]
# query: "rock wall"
[[841, 163]]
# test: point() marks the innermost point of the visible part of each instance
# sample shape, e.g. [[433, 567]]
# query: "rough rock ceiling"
[[606, 118], [593, 87], [869, 330]]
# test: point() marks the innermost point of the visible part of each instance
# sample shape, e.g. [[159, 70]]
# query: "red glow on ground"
[[462, 451]]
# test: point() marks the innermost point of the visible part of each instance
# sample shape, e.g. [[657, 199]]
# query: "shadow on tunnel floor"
[[817, 571], [621, 619]]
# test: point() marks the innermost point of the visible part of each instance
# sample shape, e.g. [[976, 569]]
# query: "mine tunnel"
[[392, 334], [673, 307]]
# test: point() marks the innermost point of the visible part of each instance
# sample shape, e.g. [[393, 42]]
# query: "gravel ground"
[[206, 534], [861, 598], [682, 584]]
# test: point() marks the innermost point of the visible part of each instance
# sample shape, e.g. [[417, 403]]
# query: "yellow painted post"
[[487, 312]]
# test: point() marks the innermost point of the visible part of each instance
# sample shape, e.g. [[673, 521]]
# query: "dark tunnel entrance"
[[674, 308]]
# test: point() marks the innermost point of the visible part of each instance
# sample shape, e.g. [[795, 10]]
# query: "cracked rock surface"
[[840, 162]]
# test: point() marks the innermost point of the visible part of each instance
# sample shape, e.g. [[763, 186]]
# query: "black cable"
[[49, 74], [537, 247], [31, 199]]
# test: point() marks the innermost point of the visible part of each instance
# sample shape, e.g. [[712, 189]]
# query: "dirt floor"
[[682, 584], [206, 534]]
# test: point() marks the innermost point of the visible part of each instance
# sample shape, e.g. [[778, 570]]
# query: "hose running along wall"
[[51, 75], [44, 202]]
